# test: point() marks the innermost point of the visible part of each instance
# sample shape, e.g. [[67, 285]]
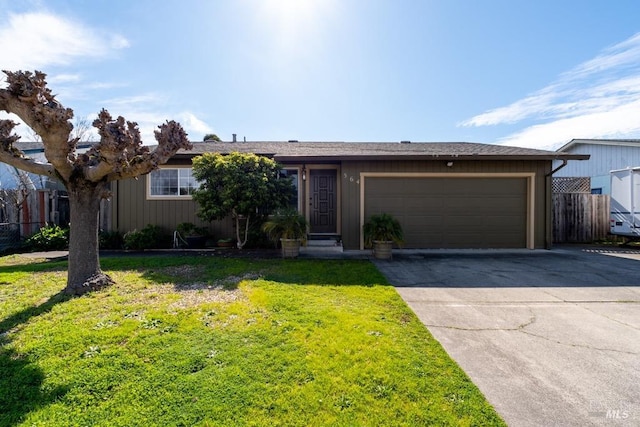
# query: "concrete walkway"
[[552, 338]]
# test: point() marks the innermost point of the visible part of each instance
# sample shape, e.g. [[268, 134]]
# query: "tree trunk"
[[84, 273], [240, 242]]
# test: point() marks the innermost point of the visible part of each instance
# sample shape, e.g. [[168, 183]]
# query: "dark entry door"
[[323, 198]]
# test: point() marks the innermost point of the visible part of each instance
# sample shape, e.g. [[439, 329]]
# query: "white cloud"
[[63, 78], [149, 121], [37, 40], [119, 42], [105, 85], [599, 98], [133, 102], [619, 122], [22, 130], [192, 124], [142, 109], [148, 111], [621, 54]]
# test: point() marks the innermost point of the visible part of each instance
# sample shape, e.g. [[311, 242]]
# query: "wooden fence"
[[580, 217]]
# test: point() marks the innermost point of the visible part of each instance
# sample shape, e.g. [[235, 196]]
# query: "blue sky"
[[524, 73]]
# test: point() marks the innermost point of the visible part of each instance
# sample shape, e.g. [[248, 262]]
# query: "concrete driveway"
[[552, 338]]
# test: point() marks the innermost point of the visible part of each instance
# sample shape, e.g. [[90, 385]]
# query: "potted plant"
[[194, 236], [226, 243], [289, 228], [381, 231]]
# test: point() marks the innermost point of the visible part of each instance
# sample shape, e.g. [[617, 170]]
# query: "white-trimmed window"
[[171, 183]]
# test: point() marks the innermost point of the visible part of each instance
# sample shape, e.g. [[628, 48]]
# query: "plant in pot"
[[289, 228], [194, 236], [226, 243], [381, 231]]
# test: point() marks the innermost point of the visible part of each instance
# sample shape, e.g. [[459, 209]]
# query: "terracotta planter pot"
[[290, 248], [382, 249]]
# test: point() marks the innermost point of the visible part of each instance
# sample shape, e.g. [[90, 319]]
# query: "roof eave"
[[607, 142], [430, 157]]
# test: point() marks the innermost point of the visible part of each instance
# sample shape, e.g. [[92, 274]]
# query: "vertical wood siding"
[[604, 158], [351, 189], [132, 210]]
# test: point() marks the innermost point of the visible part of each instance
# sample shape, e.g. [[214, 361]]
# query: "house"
[[12, 178], [606, 155], [446, 195]]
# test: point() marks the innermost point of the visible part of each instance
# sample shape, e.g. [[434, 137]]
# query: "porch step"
[[322, 245]]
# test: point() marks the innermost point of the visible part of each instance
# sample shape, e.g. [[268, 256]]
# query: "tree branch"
[[28, 97], [27, 164], [15, 157], [120, 153]]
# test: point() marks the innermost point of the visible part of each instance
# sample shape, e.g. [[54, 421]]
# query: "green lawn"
[[221, 342]]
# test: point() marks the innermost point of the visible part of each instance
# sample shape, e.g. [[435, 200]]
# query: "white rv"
[[625, 202]]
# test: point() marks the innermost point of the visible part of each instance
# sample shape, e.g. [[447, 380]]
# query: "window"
[[596, 191], [171, 182], [293, 174]]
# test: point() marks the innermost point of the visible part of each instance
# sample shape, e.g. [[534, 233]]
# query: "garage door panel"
[[457, 221], [467, 239], [453, 212], [430, 210], [436, 240], [390, 200], [418, 222], [506, 223], [414, 202], [463, 203]]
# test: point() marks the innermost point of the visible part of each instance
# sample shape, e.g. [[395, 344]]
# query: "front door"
[[323, 198]]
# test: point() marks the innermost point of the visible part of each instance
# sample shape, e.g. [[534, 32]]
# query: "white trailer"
[[625, 202]]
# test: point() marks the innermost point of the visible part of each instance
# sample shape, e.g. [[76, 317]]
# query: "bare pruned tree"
[[118, 154]]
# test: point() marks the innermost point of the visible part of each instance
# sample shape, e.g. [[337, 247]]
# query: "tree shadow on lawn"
[[21, 380]]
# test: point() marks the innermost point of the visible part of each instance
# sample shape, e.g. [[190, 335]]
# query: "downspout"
[[548, 201], [564, 163]]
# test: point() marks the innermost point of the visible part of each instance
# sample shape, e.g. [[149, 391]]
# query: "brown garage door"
[[453, 212]]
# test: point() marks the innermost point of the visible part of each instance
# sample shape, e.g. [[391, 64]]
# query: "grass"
[[222, 342]]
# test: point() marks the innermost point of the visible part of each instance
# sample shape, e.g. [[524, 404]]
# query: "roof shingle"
[[283, 151]]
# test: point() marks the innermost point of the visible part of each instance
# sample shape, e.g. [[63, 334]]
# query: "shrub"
[[190, 229], [286, 224], [238, 184], [150, 237], [257, 238], [111, 239], [48, 238], [382, 227]]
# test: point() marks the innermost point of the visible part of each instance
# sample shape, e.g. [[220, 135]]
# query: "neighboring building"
[[12, 178], [28, 200], [606, 155], [446, 195]]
